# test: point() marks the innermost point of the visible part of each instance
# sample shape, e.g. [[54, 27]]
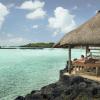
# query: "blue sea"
[[24, 70]]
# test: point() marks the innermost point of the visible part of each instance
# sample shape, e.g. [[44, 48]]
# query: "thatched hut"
[[88, 34]]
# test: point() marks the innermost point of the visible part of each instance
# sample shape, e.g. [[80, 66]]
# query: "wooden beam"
[[69, 59], [97, 71]]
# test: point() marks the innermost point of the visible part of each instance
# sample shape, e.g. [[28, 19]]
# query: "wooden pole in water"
[[69, 63]]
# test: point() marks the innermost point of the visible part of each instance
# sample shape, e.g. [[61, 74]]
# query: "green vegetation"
[[40, 45]]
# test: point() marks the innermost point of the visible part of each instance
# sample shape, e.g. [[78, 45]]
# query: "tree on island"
[[43, 45]]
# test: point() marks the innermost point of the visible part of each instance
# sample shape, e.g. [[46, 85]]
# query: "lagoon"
[[24, 70]]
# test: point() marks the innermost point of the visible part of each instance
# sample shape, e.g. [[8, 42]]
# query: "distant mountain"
[[40, 45]]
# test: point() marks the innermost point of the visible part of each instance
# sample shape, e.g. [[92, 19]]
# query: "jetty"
[[86, 35]]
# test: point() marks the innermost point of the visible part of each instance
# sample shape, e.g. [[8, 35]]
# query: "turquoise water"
[[22, 71]]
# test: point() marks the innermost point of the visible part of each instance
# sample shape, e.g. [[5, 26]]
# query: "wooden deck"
[[91, 77], [79, 67]]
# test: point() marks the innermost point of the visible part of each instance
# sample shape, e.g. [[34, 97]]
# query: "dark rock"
[[76, 80], [65, 79], [94, 91], [28, 97], [20, 98], [56, 93], [89, 82], [82, 85], [59, 98], [48, 89], [67, 88], [75, 92], [44, 96], [35, 96], [34, 91]]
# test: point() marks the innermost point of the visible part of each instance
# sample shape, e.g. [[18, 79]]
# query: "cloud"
[[35, 26], [62, 22], [15, 41], [55, 33], [18, 41], [3, 13], [32, 5], [36, 8], [37, 14]]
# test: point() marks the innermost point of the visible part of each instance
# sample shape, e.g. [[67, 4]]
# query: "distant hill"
[[40, 45]]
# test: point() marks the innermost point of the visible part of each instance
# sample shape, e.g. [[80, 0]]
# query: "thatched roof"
[[86, 34]]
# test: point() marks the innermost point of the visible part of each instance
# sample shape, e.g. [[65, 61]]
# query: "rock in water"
[[20, 98]]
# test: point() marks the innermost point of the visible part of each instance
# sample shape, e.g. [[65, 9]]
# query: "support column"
[[69, 59], [97, 71], [86, 50]]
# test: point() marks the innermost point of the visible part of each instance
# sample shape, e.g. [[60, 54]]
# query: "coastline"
[[66, 88], [24, 48]]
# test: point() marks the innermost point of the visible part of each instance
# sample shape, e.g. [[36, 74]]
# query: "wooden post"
[[97, 71], [69, 63], [86, 50]]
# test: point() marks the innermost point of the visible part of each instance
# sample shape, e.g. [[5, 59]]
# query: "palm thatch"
[[86, 34]]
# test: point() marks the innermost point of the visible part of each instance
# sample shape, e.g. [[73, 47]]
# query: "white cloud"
[[35, 26], [36, 8], [32, 5], [37, 14], [55, 33], [3, 13], [62, 21], [15, 41]]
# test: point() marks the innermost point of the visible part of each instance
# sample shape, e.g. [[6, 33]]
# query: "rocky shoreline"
[[67, 88]]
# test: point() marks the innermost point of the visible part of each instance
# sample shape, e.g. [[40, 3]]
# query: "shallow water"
[[22, 71]]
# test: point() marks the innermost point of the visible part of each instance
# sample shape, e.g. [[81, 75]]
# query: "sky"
[[27, 21]]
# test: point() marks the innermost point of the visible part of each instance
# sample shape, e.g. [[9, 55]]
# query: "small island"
[[38, 45]]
